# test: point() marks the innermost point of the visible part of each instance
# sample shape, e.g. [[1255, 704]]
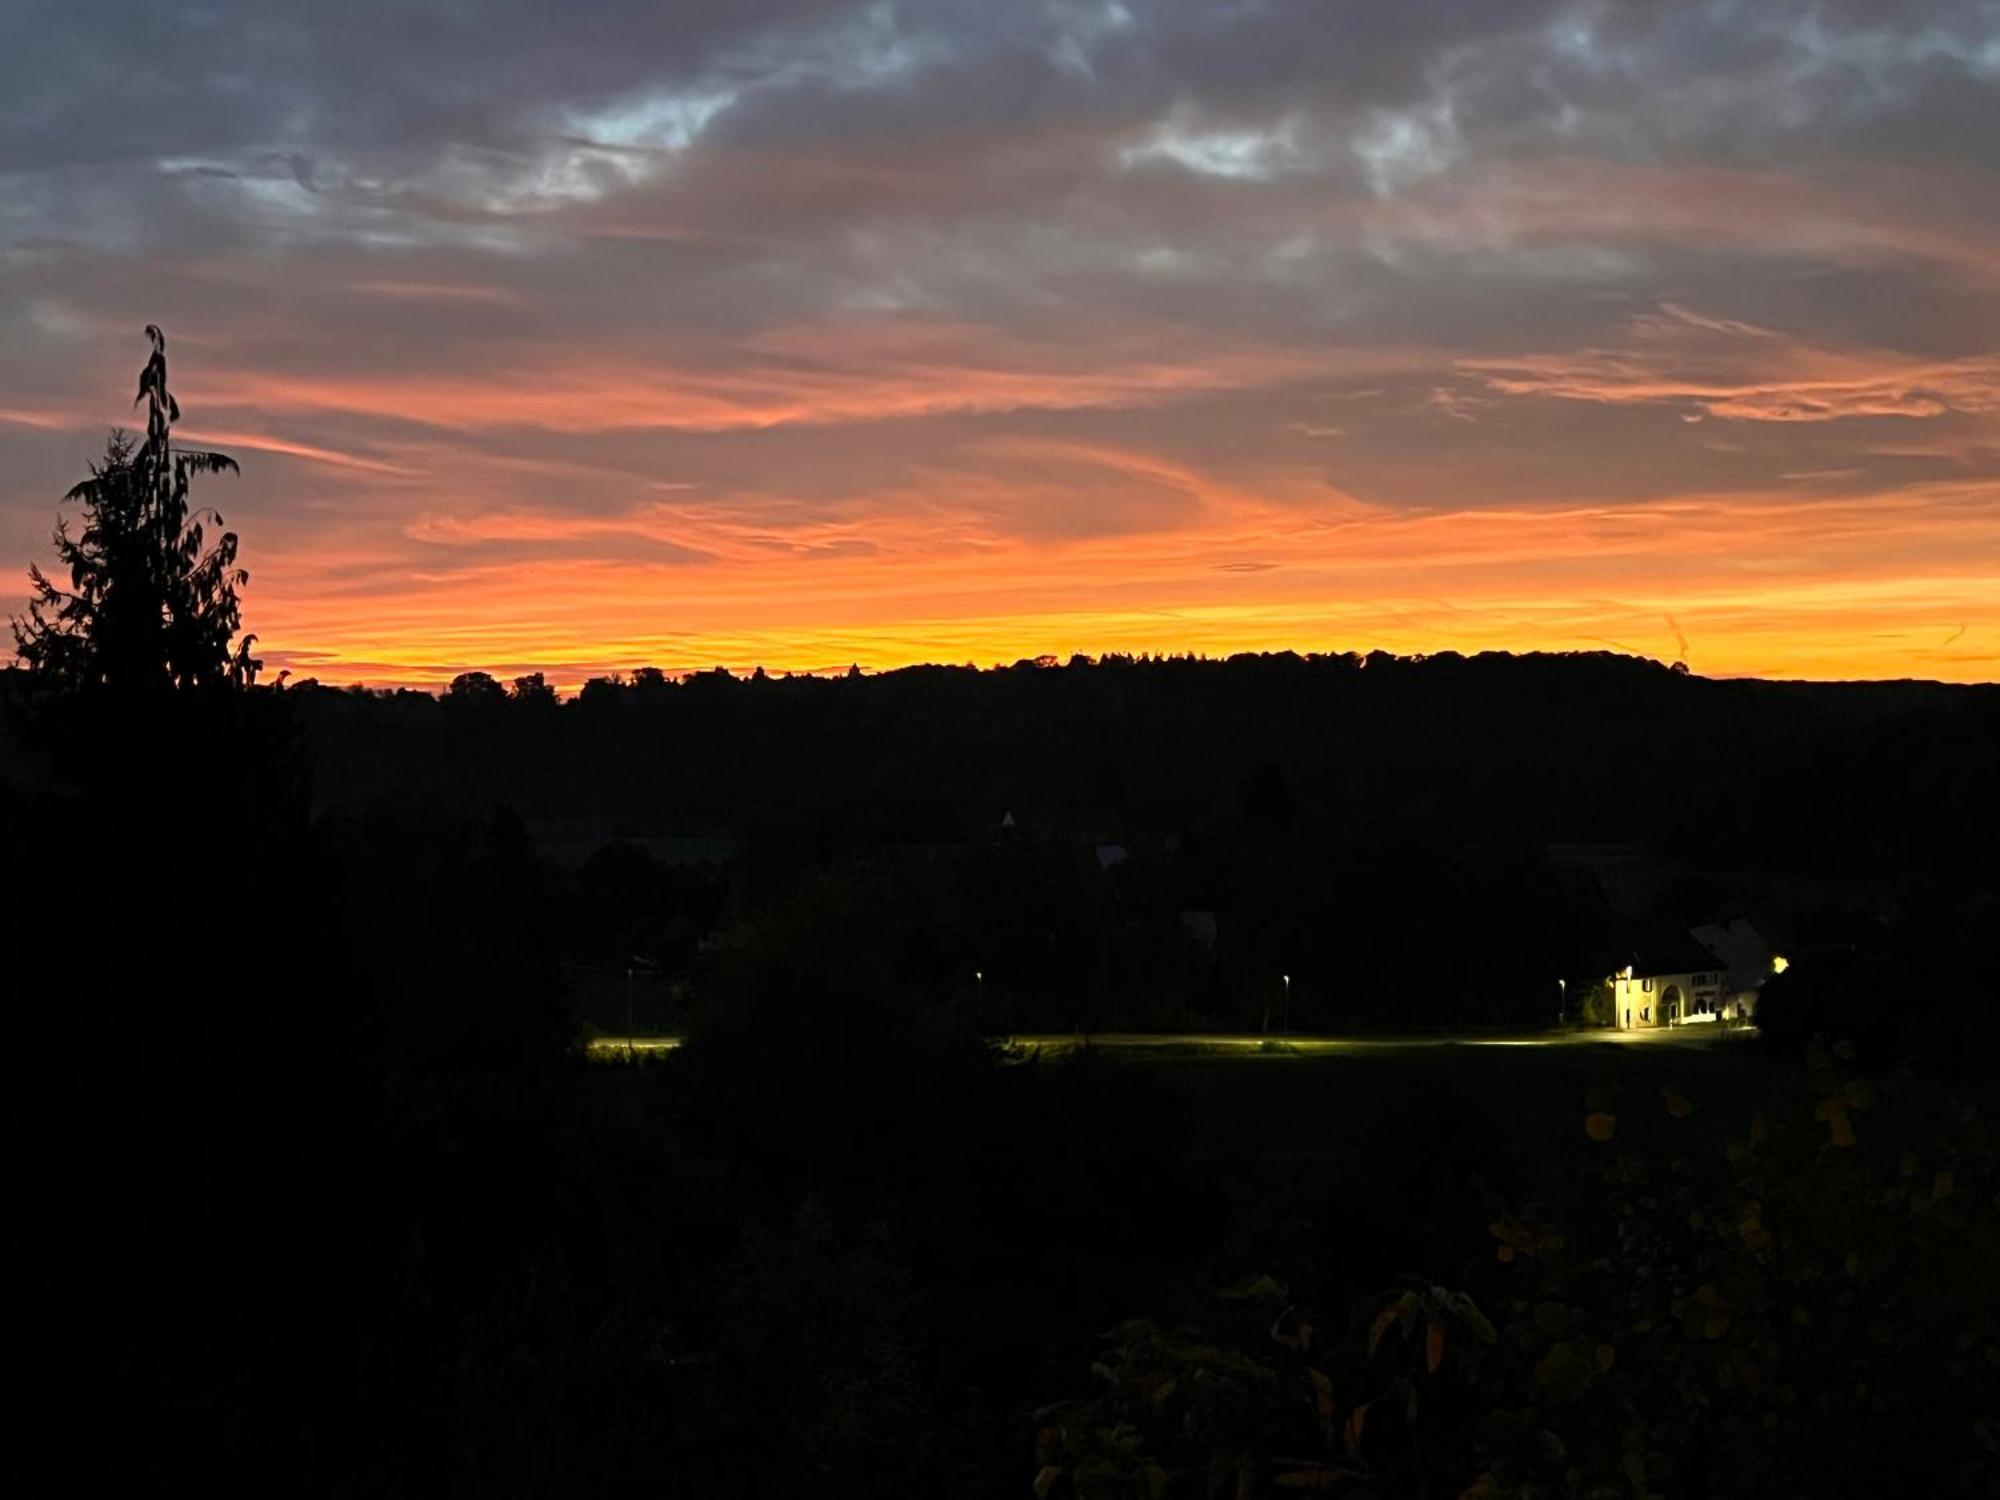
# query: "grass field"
[[1509, 1108], [1313, 1101], [1326, 1099], [1380, 1114]]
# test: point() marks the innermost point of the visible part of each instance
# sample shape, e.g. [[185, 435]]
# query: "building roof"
[[1740, 947], [1671, 951]]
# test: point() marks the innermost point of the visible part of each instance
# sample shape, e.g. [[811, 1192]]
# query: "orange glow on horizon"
[[1755, 587], [810, 336]]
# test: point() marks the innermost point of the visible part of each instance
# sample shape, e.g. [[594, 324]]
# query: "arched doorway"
[[1670, 1006]]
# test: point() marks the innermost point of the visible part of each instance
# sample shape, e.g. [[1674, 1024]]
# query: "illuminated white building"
[[1649, 995], [1711, 974]]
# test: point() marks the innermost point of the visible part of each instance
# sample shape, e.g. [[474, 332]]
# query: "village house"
[[1708, 975]]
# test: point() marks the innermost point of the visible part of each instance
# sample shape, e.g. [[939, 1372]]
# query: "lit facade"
[[1642, 999]]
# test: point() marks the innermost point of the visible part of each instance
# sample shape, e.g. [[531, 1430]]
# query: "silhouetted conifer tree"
[[151, 600]]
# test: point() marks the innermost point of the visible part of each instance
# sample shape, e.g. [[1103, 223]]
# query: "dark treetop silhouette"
[[152, 601]]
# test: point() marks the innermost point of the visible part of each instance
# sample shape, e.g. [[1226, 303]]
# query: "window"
[[1646, 985]]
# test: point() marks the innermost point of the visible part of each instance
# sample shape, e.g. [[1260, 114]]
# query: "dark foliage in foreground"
[[1782, 1294], [311, 1187]]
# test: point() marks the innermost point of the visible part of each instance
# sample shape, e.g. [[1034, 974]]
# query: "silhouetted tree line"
[[1376, 827], [1585, 746]]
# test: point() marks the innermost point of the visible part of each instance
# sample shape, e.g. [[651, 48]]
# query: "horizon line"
[[569, 679]]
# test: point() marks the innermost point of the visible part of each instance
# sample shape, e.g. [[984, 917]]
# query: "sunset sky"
[[798, 332]]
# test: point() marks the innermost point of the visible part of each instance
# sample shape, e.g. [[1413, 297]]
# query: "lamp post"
[[1562, 1002], [979, 987], [1285, 1022]]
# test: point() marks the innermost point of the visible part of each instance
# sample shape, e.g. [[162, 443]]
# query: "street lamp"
[[979, 980], [1285, 1024], [1562, 1002]]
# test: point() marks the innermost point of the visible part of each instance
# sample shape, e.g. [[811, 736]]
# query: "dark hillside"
[[1590, 747]]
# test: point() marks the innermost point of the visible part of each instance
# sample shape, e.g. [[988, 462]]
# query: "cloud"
[[824, 329], [1734, 370]]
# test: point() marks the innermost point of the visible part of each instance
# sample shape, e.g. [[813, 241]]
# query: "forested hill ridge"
[[1859, 777]]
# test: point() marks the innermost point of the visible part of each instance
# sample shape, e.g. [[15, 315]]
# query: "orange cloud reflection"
[[1879, 586]]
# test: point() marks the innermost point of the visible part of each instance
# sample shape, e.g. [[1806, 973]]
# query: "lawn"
[[1316, 1103]]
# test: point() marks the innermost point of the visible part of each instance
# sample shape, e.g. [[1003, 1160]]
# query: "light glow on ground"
[[1226, 1044]]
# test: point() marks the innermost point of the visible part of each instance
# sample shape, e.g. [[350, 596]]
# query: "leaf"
[[1599, 1125], [1156, 1481], [1469, 1314], [1563, 1371], [1705, 1313], [1677, 1103], [1433, 1347], [1401, 1311], [1832, 1111], [1750, 1224], [1384, 1321], [1045, 1480], [1322, 1395], [1357, 1421], [200, 461], [1635, 1470]]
